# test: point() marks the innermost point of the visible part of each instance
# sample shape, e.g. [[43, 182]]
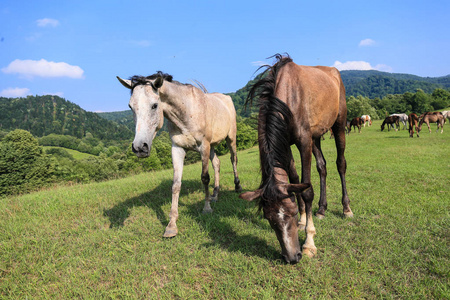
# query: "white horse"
[[197, 121], [403, 119], [446, 114], [366, 119]]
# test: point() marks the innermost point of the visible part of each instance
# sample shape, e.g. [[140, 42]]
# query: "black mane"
[[142, 80], [274, 122]]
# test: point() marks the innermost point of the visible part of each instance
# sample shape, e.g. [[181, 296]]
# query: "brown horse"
[[432, 117], [390, 121], [356, 122], [298, 104], [413, 119]]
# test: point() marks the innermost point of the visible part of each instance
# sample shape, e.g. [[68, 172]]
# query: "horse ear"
[[158, 82], [250, 196], [297, 187], [124, 82]]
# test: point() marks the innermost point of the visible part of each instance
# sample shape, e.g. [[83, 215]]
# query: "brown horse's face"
[[284, 221], [283, 218]]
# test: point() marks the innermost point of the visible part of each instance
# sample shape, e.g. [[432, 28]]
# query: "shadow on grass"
[[153, 199], [216, 225]]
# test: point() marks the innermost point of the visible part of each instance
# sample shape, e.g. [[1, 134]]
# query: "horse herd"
[[412, 120], [297, 105]]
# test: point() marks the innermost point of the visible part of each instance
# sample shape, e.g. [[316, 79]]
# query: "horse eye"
[[154, 106]]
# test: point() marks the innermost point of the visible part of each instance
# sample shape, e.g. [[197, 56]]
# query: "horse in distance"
[[391, 121], [197, 121], [402, 118], [366, 119], [298, 104], [432, 117], [356, 123], [413, 120]]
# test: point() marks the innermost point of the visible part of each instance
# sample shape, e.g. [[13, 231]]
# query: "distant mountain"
[[372, 84], [43, 115], [376, 84]]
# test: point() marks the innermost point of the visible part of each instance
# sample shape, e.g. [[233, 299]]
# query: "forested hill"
[[43, 115], [376, 84], [371, 84]]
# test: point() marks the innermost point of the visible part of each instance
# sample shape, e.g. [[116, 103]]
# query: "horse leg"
[[231, 143], [216, 166], [342, 168], [178, 155], [293, 178], [205, 152], [321, 165], [305, 148]]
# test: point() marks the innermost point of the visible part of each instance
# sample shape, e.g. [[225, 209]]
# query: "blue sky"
[[75, 49]]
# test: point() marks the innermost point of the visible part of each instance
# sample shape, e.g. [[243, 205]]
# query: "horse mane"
[[143, 80], [274, 122]]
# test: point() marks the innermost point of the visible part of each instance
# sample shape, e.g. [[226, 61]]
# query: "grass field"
[[75, 154], [104, 240]]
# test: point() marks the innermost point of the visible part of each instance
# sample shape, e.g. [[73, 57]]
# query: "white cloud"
[[360, 65], [15, 92], [46, 22], [43, 68], [367, 43], [259, 63]]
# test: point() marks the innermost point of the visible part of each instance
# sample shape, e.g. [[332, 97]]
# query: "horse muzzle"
[[141, 151]]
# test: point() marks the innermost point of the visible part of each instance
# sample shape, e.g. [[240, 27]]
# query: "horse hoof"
[[170, 232], [348, 214], [320, 216], [207, 210], [310, 252], [214, 198]]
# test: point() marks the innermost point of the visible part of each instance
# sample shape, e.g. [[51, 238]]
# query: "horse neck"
[[176, 100]]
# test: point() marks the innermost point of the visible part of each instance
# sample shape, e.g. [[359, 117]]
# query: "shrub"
[[23, 166]]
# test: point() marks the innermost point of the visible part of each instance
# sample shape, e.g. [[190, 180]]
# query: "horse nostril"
[[133, 149], [145, 147]]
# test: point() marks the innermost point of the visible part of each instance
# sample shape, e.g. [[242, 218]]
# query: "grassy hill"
[[104, 240]]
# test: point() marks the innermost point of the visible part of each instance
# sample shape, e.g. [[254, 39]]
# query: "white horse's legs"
[[233, 153], [178, 155], [205, 153], [216, 166]]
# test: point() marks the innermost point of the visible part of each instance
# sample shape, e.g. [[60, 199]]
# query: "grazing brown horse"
[[298, 104], [356, 122], [432, 117], [390, 121], [413, 120]]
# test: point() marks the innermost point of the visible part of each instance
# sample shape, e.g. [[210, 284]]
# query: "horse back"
[[315, 96]]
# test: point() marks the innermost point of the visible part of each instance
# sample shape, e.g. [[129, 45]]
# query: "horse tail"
[[274, 122]]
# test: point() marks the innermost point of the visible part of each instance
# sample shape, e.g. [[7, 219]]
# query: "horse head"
[[145, 103], [282, 215]]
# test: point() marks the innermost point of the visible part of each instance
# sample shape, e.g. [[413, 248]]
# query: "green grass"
[[75, 154], [104, 240]]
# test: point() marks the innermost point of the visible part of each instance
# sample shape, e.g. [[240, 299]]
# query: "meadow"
[[104, 240]]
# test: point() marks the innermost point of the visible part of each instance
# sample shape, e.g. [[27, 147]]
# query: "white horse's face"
[[148, 115]]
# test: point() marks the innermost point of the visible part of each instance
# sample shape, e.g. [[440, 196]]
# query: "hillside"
[[43, 115], [376, 84]]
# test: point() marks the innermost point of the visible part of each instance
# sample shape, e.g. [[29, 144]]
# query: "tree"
[[23, 166]]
